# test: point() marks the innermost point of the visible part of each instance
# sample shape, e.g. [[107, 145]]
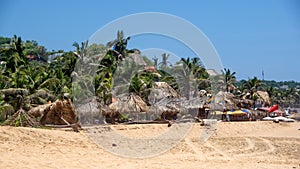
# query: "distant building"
[[284, 87], [212, 72], [34, 57], [53, 56]]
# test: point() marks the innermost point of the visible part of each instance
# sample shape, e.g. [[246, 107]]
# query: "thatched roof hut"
[[164, 105], [224, 101], [194, 103], [161, 90], [90, 112], [263, 97], [39, 110], [130, 104], [61, 112]]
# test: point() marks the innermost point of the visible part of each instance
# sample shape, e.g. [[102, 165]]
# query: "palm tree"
[[13, 55], [185, 75], [81, 51], [251, 86], [119, 46], [290, 96], [17, 45], [190, 72], [164, 62], [200, 74], [229, 80], [141, 83], [155, 59], [108, 66]]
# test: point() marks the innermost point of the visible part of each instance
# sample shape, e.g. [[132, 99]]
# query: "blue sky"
[[250, 36]]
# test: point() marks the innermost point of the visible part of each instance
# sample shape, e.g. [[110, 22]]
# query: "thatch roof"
[[61, 112], [180, 104], [130, 104], [165, 105], [161, 90], [264, 97], [224, 101], [194, 103], [39, 110], [90, 112], [245, 103]]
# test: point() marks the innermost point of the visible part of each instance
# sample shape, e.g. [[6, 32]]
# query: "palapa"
[[130, 104], [89, 112], [224, 101], [161, 90], [61, 112], [264, 97]]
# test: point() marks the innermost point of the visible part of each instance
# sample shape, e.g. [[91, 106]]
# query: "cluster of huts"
[[163, 104]]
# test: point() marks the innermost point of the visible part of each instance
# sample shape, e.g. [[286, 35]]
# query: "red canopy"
[[268, 109]]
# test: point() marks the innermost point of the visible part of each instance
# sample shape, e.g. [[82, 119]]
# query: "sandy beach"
[[232, 145]]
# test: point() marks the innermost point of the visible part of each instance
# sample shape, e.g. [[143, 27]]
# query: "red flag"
[[273, 108]]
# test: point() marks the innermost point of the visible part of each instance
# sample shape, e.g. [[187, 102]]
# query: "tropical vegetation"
[[41, 76]]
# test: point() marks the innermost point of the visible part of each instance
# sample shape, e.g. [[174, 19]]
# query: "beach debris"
[[21, 118]]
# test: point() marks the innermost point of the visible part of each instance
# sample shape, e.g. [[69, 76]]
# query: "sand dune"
[[231, 145]]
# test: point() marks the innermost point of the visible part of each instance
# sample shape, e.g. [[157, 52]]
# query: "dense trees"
[[104, 71]]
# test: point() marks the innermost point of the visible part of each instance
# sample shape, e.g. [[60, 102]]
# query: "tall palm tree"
[[81, 51], [108, 66], [17, 45], [229, 80], [200, 74], [119, 46], [186, 76], [155, 59], [164, 62], [13, 55]]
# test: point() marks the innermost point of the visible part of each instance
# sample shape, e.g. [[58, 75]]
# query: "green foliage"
[[124, 117], [96, 49], [166, 77], [4, 41], [141, 83], [108, 66], [191, 75], [229, 80], [72, 72]]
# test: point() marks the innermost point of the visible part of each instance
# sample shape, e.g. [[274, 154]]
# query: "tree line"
[[106, 70]]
